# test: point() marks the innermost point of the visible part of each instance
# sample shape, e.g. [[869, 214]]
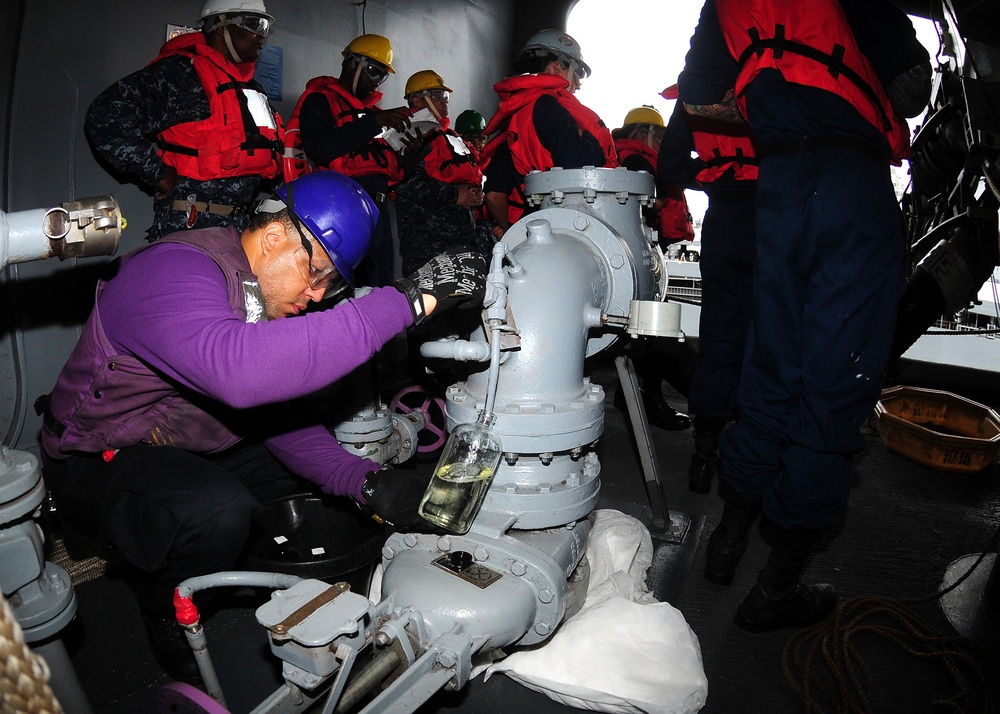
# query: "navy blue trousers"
[[727, 254], [828, 276], [171, 513]]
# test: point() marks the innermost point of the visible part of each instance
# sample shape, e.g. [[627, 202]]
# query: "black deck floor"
[[905, 526]]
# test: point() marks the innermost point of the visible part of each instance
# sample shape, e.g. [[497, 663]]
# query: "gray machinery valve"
[[82, 228], [305, 619], [563, 286], [40, 593], [376, 433]]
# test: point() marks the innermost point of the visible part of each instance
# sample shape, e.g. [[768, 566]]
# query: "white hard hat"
[[233, 7], [558, 43]]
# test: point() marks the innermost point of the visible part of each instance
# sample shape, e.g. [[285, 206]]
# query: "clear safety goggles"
[[438, 95], [256, 24], [576, 67], [376, 72], [655, 133], [318, 278]]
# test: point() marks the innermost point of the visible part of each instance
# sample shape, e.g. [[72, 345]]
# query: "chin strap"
[[229, 44], [357, 76], [568, 76], [433, 109]]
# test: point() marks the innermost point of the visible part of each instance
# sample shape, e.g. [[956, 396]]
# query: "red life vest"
[[810, 44], [514, 122], [241, 137], [722, 146], [376, 158], [628, 148], [450, 160], [673, 218]]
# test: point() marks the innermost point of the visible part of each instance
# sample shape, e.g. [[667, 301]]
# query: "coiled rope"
[[24, 675], [847, 683]]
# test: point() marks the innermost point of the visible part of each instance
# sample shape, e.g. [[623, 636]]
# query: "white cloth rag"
[[623, 652]]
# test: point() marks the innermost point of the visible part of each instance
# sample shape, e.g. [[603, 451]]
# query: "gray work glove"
[[454, 277]]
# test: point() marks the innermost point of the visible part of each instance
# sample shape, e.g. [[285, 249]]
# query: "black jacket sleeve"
[[325, 138], [675, 164], [559, 133]]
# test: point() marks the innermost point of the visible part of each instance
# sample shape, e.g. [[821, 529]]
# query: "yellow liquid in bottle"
[[453, 498]]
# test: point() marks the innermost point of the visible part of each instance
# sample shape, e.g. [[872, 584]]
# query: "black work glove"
[[453, 277], [394, 497]]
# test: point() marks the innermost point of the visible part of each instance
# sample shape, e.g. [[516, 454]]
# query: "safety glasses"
[[377, 73], [655, 133], [318, 278], [438, 95], [577, 69], [256, 24]]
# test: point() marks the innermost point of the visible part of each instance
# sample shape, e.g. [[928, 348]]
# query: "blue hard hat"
[[338, 212]]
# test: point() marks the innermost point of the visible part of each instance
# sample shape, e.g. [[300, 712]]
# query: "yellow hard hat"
[[374, 47], [423, 81], [644, 115]]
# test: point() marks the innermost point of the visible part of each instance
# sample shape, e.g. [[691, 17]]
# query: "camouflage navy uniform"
[[122, 125], [428, 217]]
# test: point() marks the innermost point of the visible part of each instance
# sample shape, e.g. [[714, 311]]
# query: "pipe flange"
[[21, 487]]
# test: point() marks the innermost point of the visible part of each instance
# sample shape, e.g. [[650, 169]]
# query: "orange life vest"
[[450, 160], [674, 220], [241, 137], [810, 44], [513, 121], [376, 158], [628, 148], [723, 146]]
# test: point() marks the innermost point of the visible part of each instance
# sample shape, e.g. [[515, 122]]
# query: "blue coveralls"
[[727, 253], [828, 276]]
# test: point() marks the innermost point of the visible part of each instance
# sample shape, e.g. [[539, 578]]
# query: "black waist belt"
[[50, 422], [784, 147], [732, 194]]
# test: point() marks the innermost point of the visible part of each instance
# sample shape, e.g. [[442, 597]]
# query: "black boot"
[[778, 599], [705, 459], [729, 540], [658, 412], [166, 637], [661, 414]]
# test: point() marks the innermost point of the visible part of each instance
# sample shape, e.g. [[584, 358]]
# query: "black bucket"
[[313, 537]]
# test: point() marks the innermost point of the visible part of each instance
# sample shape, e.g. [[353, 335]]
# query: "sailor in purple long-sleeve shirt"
[[202, 345], [185, 404]]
